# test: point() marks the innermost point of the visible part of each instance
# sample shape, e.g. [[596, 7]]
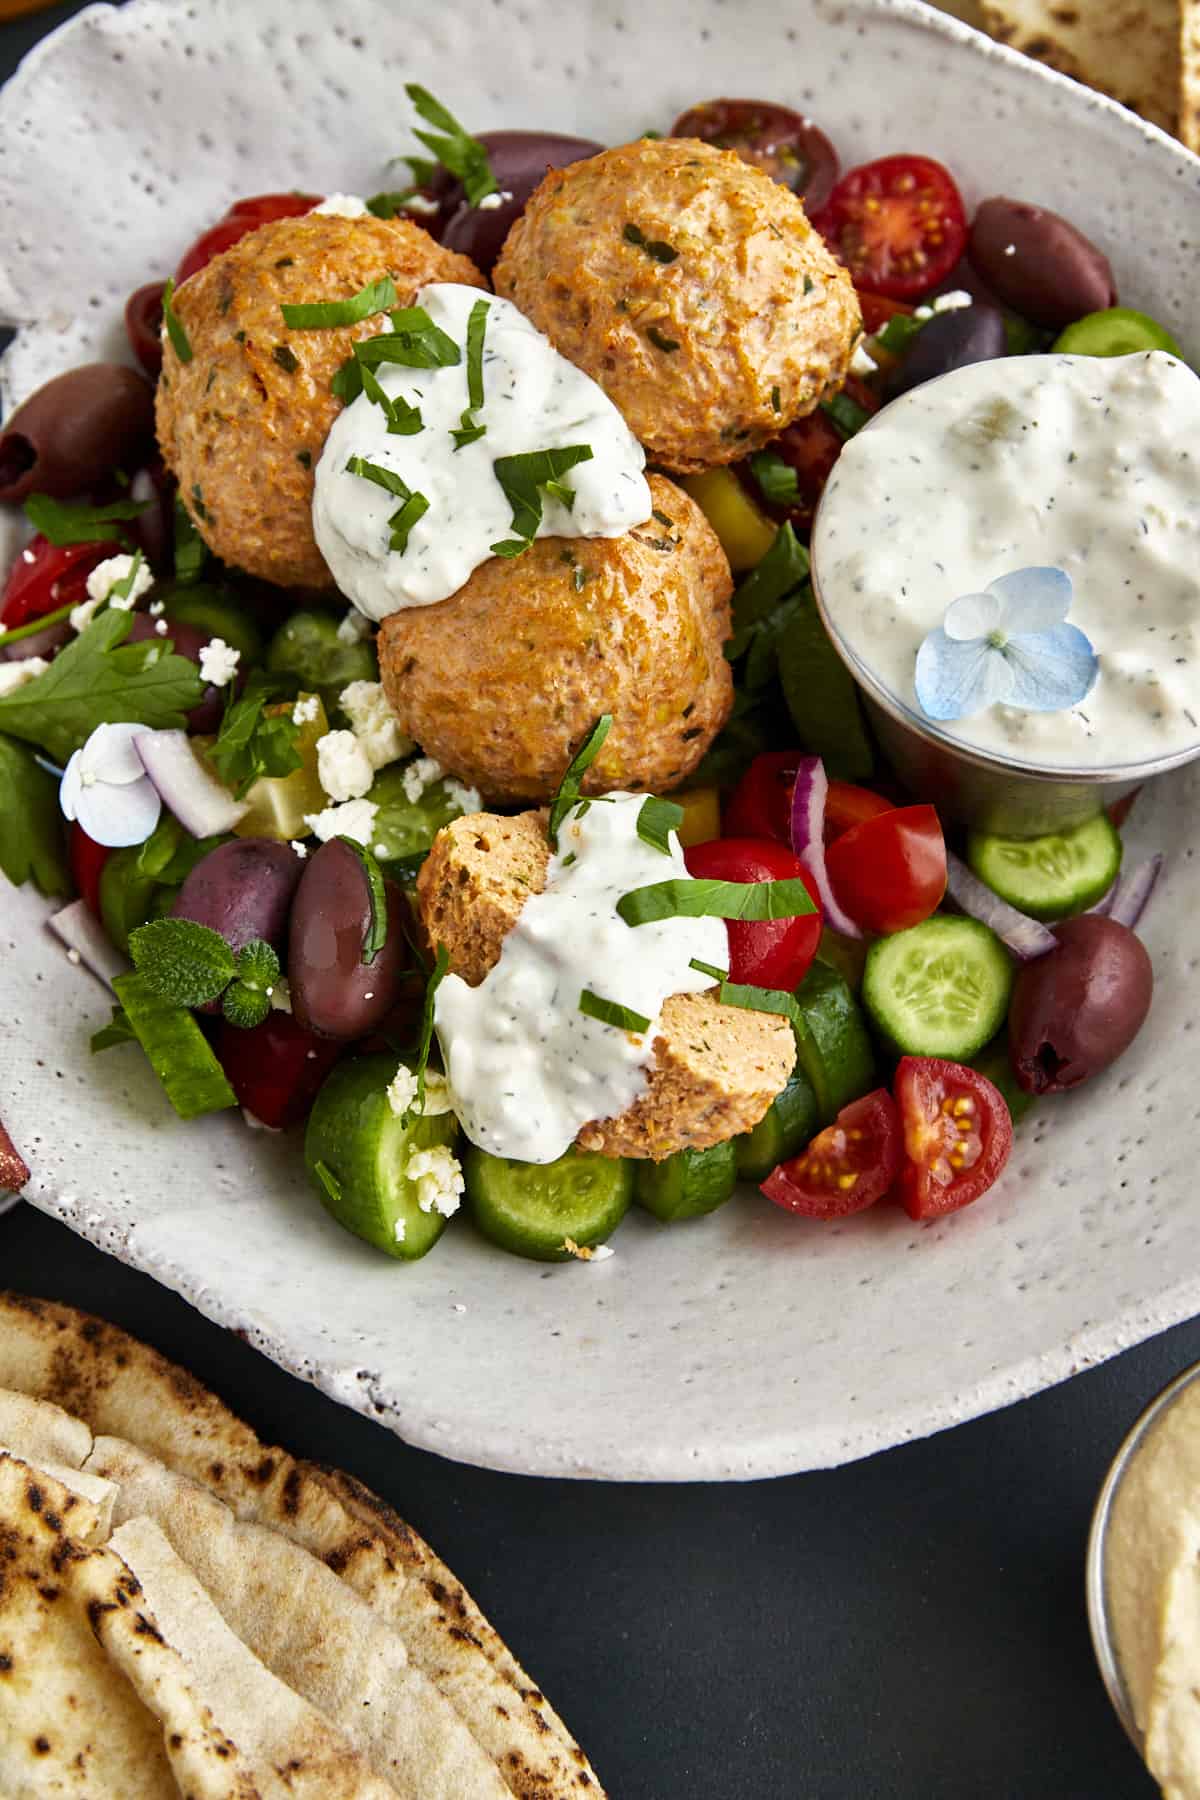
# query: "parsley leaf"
[[523, 478], [374, 298], [98, 679], [253, 740], [776, 479], [31, 828], [180, 342], [77, 523], [456, 150]]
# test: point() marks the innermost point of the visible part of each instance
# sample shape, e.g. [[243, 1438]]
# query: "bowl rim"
[[1095, 1585]]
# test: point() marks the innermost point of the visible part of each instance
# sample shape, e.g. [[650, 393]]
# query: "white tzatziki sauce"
[[533, 399], [1088, 464], [527, 1069]]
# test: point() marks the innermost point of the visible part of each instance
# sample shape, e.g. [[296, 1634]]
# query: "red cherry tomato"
[[786, 145], [847, 1167], [760, 806], [898, 224], [46, 576], [847, 806], [877, 309], [87, 859], [243, 217], [890, 871], [809, 446], [773, 953], [276, 1068], [957, 1135], [143, 326]]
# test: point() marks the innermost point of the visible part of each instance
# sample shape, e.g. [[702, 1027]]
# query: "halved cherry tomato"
[[46, 576], [760, 806], [809, 446], [847, 1167], [898, 224], [276, 1068], [877, 309], [773, 953], [87, 859], [957, 1135], [243, 217], [890, 871], [783, 143], [847, 806]]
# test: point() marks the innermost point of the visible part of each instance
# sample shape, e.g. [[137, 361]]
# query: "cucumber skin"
[[789, 1123], [833, 1045], [350, 1111], [881, 1008], [542, 1246], [984, 851], [711, 1176]]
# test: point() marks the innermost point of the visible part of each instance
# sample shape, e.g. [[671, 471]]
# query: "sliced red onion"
[[808, 839], [1027, 938], [197, 799], [80, 930], [1129, 896]]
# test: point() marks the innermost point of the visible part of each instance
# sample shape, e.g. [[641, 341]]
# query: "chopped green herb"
[[374, 298], [178, 336], [190, 548], [663, 519], [441, 968], [286, 358], [43, 621], [656, 820], [809, 284], [387, 205], [464, 156], [779, 572], [776, 400], [377, 924], [899, 332], [750, 999], [414, 341], [578, 578], [684, 898], [654, 247], [74, 522], [403, 520], [469, 429], [405, 517], [609, 1012], [253, 741], [847, 415], [660, 340], [198, 501], [304, 458], [523, 479], [328, 1180], [404, 419], [777, 479], [568, 788]]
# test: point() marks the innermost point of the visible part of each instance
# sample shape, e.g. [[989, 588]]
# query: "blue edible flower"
[[1008, 646]]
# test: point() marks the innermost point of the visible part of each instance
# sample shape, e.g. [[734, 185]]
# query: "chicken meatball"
[[692, 288], [501, 681], [242, 422]]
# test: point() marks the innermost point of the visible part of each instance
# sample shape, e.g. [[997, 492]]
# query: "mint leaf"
[[181, 961], [253, 741], [76, 523], [31, 825], [245, 1007], [98, 679], [257, 965], [117, 1031]]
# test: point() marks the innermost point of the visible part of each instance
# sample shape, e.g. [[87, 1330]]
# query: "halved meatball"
[[501, 681], [241, 425], [692, 288]]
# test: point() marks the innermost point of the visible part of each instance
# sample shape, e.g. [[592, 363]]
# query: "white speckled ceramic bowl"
[[746, 1344]]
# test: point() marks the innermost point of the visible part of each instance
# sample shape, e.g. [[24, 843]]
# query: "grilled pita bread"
[[1127, 48], [1189, 73], [120, 1388]]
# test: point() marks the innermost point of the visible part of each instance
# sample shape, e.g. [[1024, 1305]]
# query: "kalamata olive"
[[519, 161], [188, 641], [1039, 264], [154, 528], [951, 340], [784, 144], [74, 430], [39, 643], [243, 890], [143, 326], [1076, 1009], [334, 991]]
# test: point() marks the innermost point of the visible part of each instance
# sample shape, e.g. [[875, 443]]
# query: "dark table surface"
[[912, 1626]]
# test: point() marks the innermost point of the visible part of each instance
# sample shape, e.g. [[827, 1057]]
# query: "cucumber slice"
[[217, 611], [688, 1184], [821, 696], [1049, 877], [533, 1208], [940, 988], [789, 1123], [833, 1046], [176, 1048], [308, 647], [406, 828], [356, 1150], [993, 1061]]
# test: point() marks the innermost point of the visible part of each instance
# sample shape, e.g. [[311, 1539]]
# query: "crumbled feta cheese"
[[421, 773], [923, 313], [420, 204], [219, 661], [161, 627], [467, 799], [402, 1093], [280, 995], [343, 767], [375, 724], [601, 1253], [438, 1176], [342, 206], [306, 709], [157, 608], [257, 1124], [402, 1090], [300, 849], [586, 1252], [1010, 249], [862, 363], [83, 614], [353, 819], [353, 628], [15, 674], [954, 301], [105, 576], [492, 202], [437, 1095]]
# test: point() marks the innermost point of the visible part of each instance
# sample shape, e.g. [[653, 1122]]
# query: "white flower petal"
[[70, 785], [117, 816], [109, 755]]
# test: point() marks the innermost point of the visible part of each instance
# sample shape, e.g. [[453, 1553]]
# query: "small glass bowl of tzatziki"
[[1079, 470], [1143, 1584]]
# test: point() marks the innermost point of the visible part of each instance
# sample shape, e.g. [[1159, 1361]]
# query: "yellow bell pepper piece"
[[701, 815], [277, 804], [745, 531]]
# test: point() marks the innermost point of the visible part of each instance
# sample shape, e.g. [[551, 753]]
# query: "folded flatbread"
[[1127, 48]]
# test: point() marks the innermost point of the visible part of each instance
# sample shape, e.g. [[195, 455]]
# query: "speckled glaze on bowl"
[[749, 1343]]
